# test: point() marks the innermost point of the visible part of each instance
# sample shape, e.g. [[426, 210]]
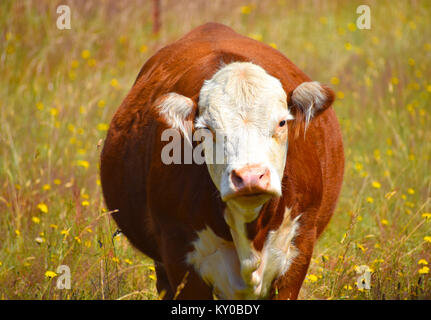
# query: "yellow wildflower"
[[102, 127], [39, 106], [335, 80], [114, 83], [85, 54], [426, 215], [312, 278], [42, 207], [83, 163], [246, 10], [152, 277], [424, 270], [50, 274], [35, 220], [376, 185], [101, 103]]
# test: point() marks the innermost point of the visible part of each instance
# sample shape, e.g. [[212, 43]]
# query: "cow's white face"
[[245, 109]]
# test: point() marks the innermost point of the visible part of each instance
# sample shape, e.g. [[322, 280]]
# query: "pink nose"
[[251, 179]]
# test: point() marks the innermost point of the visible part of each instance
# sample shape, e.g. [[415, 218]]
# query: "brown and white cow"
[[244, 228]]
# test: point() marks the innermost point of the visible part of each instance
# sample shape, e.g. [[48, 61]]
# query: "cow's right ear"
[[175, 109], [311, 98]]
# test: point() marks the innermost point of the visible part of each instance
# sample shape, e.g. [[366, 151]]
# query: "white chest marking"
[[235, 269]]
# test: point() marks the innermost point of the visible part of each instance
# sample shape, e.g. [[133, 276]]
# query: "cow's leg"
[[288, 286], [185, 282], [163, 286]]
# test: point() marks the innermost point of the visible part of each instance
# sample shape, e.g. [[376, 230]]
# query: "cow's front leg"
[[185, 282], [287, 286]]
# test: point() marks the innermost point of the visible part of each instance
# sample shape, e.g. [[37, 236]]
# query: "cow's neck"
[[236, 270], [237, 218]]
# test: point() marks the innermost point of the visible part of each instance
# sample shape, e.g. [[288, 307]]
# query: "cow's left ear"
[[175, 110], [311, 98]]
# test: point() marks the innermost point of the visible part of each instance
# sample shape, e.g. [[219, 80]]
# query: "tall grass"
[[60, 88]]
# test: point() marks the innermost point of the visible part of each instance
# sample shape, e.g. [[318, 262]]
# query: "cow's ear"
[[311, 98], [175, 111]]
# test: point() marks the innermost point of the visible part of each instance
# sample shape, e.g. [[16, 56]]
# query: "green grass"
[[59, 90]]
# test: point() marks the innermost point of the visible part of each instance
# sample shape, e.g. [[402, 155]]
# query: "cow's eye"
[[282, 123]]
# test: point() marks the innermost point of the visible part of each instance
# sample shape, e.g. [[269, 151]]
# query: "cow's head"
[[246, 109]]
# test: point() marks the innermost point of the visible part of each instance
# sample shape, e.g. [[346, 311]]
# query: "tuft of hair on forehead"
[[243, 81]]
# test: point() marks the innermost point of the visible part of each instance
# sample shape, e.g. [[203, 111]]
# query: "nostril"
[[264, 175], [236, 178]]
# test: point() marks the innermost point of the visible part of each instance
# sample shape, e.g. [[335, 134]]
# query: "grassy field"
[[60, 88]]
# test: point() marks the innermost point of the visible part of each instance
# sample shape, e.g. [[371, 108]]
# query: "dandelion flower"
[[351, 26], [39, 106], [423, 261], [376, 185], [245, 10], [85, 54], [35, 220], [340, 95], [83, 163], [42, 207], [152, 277], [85, 203], [312, 278], [128, 261], [101, 103], [427, 239], [426, 215], [335, 80], [114, 83], [424, 270], [50, 274], [370, 200], [102, 127]]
